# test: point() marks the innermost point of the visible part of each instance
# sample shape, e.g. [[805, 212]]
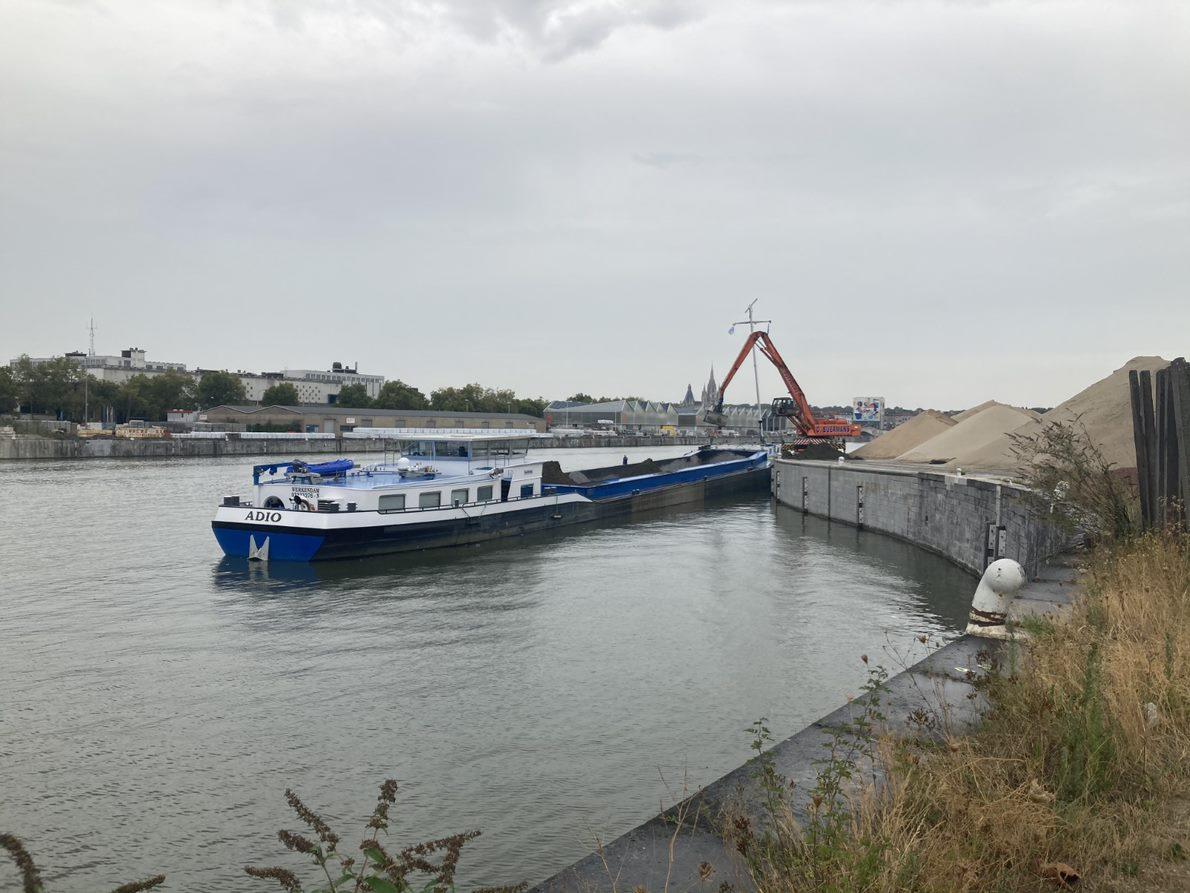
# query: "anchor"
[[258, 554]]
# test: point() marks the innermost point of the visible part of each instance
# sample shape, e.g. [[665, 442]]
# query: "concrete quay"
[[684, 848]]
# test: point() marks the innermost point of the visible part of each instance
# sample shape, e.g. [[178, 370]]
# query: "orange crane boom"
[[796, 407]]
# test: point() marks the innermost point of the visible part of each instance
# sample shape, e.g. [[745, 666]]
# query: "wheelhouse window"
[[458, 497], [429, 500], [484, 494], [392, 502], [526, 490]]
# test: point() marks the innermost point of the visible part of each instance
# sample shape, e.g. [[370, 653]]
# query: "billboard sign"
[[867, 410]]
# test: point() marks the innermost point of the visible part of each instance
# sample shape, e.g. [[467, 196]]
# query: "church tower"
[[710, 392]]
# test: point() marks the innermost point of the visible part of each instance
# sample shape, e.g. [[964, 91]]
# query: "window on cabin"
[[458, 497], [484, 494], [429, 500], [526, 490], [392, 502]]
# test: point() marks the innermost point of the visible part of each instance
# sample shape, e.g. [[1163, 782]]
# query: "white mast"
[[752, 324]]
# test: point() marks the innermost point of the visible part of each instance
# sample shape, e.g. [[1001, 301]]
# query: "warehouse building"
[[337, 419], [626, 416]]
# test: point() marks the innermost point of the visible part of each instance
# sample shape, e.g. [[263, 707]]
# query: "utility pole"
[[752, 324]]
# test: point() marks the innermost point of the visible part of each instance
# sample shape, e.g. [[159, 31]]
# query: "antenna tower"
[[91, 350]]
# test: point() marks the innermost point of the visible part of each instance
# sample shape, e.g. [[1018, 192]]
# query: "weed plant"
[[1080, 768]]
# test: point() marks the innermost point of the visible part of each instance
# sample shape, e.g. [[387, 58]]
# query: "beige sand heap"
[[971, 434], [974, 410], [1105, 409], [906, 436]]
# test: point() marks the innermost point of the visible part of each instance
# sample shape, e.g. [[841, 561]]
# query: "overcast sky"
[[936, 202]]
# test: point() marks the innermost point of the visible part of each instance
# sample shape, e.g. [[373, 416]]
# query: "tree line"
[[472, 397], [63, 389]]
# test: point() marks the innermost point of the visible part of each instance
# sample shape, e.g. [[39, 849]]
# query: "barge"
[[454, 490]]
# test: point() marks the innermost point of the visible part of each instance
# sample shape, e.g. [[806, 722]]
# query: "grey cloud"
[[551, 31], [898, 182]]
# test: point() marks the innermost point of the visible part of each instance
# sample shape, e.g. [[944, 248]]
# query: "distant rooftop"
[[334, 410]]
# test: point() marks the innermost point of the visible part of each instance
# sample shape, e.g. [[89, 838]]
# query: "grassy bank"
[[1080, 770]]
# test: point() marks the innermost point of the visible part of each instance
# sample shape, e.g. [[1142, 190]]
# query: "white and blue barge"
[[452, 490]]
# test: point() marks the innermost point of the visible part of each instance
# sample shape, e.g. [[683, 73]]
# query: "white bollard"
[[989, 609]]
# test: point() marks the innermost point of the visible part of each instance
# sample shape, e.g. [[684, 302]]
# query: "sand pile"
[[970, 434], [974, 410], [1106, 412], [906, 436]]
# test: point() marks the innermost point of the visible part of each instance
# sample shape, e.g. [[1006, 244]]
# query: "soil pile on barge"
[[552, 473]]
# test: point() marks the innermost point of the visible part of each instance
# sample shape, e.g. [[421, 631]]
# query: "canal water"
[[156, 700]]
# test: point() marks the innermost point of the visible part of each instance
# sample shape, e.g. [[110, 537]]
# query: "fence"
[[1161, 433]]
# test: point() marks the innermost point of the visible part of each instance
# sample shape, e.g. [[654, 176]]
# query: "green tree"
[[283, 394], [476, 398], [104, 401], [218, 388], [398, 395], [468, 398], [54, 387], [580, 397], [136, 398], [170, 390], [530, 406], [355, 396], [10, 390]]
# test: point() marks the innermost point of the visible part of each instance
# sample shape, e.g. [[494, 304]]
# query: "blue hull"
[[240, 542], [616, 498]]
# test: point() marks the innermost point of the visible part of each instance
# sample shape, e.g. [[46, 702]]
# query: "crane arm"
[[802, 416]]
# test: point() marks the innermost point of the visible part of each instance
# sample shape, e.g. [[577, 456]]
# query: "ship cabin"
[[426, 473]]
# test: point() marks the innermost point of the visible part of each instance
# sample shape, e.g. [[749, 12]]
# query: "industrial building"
[[336, 419], [647, 417], [313, 385]]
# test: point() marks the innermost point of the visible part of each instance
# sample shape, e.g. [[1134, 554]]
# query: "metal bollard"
[[989, 609]]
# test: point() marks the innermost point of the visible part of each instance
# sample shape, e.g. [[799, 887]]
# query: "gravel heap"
[[906, 436], [970, 435], [1104, 409]]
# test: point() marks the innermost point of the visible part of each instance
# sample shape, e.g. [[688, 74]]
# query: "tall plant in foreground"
[[1079, 768], [813, 852], [427, 867], [31, 878], [1076, 485]]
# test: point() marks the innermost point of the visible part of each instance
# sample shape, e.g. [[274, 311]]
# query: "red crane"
[[794, 407]]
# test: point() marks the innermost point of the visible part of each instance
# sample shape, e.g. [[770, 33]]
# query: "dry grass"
[[1081, 763]]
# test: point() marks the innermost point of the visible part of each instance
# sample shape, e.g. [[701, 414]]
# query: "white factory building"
[[313, 385]]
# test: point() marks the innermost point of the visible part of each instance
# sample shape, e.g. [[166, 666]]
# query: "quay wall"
[[686, 846], [178, 448], [947, 514]]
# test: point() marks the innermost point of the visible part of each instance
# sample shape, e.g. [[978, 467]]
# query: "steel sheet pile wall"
[[945, 513]]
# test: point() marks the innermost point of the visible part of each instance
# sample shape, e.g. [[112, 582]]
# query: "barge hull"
[[240, 539]]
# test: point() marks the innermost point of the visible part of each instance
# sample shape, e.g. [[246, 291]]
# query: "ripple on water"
[[158, 700]]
